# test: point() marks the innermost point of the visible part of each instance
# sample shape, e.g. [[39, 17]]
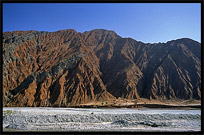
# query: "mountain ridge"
[[187, 38], [66, 68]]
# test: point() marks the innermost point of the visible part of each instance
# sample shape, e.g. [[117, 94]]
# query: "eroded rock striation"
[[67, 68]]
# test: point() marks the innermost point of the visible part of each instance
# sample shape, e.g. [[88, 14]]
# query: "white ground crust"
[[80, 119]]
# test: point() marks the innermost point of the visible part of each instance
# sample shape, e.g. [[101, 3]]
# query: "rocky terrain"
[[80, 119], [67, 68]]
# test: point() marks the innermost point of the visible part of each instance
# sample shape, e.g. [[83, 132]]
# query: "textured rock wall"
[[66, 68]]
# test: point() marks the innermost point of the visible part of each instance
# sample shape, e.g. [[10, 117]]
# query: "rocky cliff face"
[[66, 68]]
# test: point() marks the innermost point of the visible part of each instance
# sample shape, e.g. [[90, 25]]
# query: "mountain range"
[[66, 68]]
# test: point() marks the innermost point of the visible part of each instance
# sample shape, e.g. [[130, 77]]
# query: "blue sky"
[[146, 22]]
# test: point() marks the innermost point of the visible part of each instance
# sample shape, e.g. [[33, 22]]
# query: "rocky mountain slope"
[[66, 68]]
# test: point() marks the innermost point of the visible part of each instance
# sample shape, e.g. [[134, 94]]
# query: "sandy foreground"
[[89, 119]]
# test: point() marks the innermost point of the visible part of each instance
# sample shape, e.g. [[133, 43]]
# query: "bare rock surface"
[[68, 68]]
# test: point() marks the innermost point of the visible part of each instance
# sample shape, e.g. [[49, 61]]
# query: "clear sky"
[[146, 22]]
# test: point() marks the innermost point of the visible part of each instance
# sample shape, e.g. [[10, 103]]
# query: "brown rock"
[[67, 68]]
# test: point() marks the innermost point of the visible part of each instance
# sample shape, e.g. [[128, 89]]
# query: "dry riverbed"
[[87, 119]]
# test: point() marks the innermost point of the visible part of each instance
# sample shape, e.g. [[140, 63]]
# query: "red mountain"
[[66, 68]]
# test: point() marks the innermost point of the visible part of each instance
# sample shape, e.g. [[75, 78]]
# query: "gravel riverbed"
[[81, 119]]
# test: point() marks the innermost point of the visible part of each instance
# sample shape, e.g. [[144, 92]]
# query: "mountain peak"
[[104, 31]]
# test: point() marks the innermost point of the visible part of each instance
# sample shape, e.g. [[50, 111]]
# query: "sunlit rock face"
[[67, 68]]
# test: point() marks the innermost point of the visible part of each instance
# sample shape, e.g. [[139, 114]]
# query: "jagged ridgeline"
[[66, 68]]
